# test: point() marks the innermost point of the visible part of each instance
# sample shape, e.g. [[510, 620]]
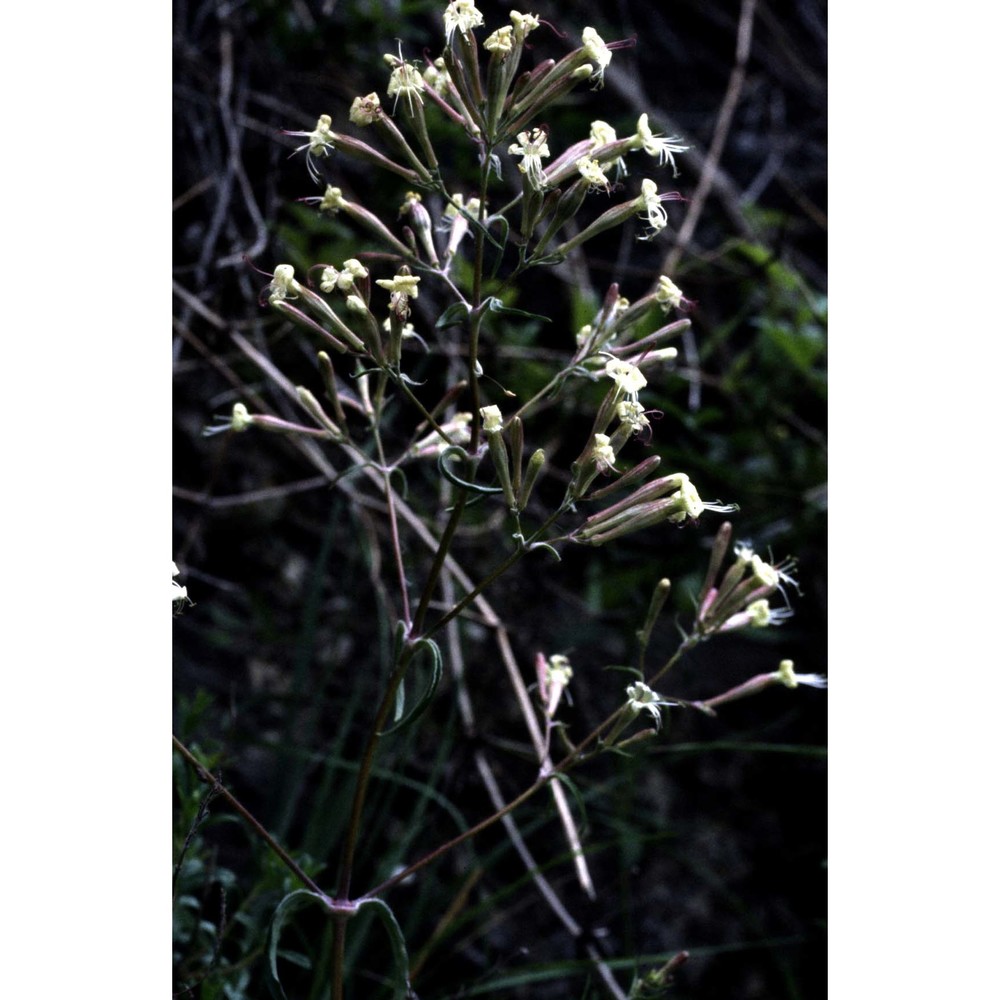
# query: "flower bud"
[[312, 406], [493, 429], [660, 594], [420, 219], [531, 473], [366, 110]]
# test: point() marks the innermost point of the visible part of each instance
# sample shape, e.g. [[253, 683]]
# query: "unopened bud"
[[531, 473]]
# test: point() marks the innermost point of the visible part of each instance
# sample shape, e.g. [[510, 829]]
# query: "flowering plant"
[[406, 400]]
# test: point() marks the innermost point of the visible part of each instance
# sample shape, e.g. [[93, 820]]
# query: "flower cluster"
[[741, 598]]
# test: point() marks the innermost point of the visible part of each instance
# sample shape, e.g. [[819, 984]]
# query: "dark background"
[[712, 840]]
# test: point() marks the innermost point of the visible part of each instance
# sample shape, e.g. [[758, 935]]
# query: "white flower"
[[627, 377], [333, 200], [330, 278], [405, 80], [656, 145], [787, 675], [641, 698], [241, 418], [632, 415], [283, 284], [492, 419], [402, 288], [524, 24], [179, 593], [603, 454], [667, 293], [320, 143], [761, 614], [365, 110], [433, 444], [557, 676], [402, 284], [597, 52], [461, 14], [649, 202], [773, 576], [590, 170], [601, 133], [532, 148], [353, 268], [690, 504], [501, 40]]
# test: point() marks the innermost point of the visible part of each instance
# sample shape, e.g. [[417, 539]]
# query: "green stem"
[[337, 963], [514, 557], [365, 769]]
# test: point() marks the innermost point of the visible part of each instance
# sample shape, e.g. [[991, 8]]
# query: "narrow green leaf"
[[547, 547], [496, 305], [454, 315], [425, 699], [455, 452], [293, 901], [400, 958], [505, 225]]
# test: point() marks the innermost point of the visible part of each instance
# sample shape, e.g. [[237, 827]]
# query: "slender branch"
[[397, 549], [206, 776], [365, 771], [571, 760]]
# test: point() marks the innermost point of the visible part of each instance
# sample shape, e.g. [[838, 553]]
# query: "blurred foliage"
[[711, 839]]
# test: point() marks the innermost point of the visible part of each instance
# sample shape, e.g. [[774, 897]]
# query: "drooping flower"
[[590, 170], [667, 293], [433, 444], [320, 143], [757, 614], [179, 593], [602, 134], [332, 201], [460, 14], [642, 698], [597, 52], [649, 202], [283, 284], [691, 505], [603, 454], [632, 416], [532, 148], [787, 675], [662, 148], [627, 377]]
